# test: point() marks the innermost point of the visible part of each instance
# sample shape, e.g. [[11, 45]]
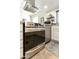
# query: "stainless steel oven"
[[33, 41]]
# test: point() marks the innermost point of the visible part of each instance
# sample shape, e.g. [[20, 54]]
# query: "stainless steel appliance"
[[47, 31], [33, 41], [30, 6]]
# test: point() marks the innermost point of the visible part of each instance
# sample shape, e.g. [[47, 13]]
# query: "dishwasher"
[[47, 32]]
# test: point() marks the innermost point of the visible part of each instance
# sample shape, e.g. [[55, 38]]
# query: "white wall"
[[35, 19], [46, 15], [51, 12], [24, 14]]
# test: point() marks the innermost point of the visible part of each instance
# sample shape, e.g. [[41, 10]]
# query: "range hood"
[[30, 6]]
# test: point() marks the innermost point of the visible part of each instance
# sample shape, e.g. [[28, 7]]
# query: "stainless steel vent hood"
[[30, 6]]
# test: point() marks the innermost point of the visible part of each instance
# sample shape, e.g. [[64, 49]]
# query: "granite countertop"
[[34, 29]]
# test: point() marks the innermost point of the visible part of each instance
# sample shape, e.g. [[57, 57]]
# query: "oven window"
[[34, 39]]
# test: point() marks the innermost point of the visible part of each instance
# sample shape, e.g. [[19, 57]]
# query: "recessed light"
[[45, 6]]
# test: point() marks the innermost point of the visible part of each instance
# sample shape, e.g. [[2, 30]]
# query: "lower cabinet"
[[55, 32], [47, 33], [21, 40]]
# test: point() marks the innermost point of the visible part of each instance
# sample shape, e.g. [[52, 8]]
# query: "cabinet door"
[[21, 52], [56, 33], [21, 27], [47, 33], [21, 40], [52, 33]]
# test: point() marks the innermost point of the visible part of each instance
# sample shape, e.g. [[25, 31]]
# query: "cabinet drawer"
[[21, 27], [21, 52], [21, 35]]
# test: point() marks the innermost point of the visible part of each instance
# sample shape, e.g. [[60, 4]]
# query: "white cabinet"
[[21, 40], [21, 36], [55, 32], [47, 33]]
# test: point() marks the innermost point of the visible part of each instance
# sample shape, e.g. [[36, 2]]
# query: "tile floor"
[[51, 51], [45, 54], [53, 47]]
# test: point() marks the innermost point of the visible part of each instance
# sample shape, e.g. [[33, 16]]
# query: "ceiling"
[[50, 4]]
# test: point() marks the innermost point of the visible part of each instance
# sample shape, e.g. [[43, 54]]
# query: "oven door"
[[29, 54], [34, 42]]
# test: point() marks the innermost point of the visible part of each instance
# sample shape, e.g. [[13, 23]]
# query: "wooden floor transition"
[[45, 54]]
